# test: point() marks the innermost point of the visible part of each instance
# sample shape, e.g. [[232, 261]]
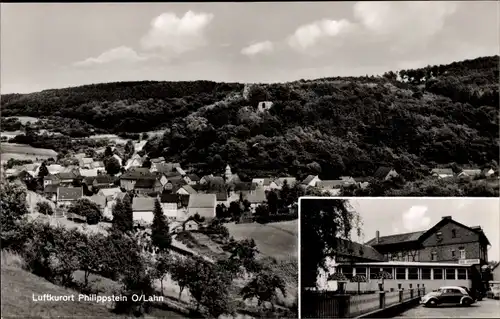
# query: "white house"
[[442, 173], [142, 208], [311, 180]]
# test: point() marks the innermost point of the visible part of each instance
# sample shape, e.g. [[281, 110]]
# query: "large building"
[[447, 253]]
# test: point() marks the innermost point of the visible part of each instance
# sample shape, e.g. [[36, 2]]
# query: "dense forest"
[[411, 120]]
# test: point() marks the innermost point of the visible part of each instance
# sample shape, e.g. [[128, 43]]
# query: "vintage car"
[[494, 293], [447, 295]]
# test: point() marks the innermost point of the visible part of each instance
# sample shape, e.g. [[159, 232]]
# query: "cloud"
[[257, 48], [119, 54], [308, 35], [177, 34], [415, 219]]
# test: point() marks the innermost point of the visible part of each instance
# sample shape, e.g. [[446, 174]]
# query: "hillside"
[[331, 126]]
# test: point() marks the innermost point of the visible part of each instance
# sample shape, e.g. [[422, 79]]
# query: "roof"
[[138, 173], [471, 171], [259, 196], [189, 189], [244, 186], [202, 201], [447, 219], [215, 180], [221, 196], [164, 167], [350, 248], [99, 200], [110, 191], [308, 179], [54, 168], [69, 193], [157, 160], [194, 177], [180, 171], [68, 175], [88, 172], [383, 264], [266, 180], [97, 164], [361, 179], [184, 199], [145, 183], [330, 184], [396, 239], [382, 172], [50, 189], [104, 179], [87, 160], [51, 178], [169, 198], [442, 171], [141, 204], [120, 196]]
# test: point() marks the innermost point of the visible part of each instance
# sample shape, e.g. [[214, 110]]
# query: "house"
[[147, 185], [170, 203], [442, 172], [203, 205], [85, 162], [191, 179], [135, 161], [332, 187], [50, 192], [495, 272], [142, 208], [385, 173], [362, 182], [222, 198], [190, 225], [311, 180], [175, 227], [33, 169], [469, 173], [262, 182], [174, 183], [130, 177], [99, 200], [487, 172], [164, 167], [55, 169], [256, 198], [88, 172], [98, 165], [68, 177], [50, 180], [280, 181], [186, 190], [11, 172], [100, 181], [180, 171], [68, 195], [264, 106], [79, 156], [348, 179], [158, 160], [243, 188], [213, 181], [109, 193]]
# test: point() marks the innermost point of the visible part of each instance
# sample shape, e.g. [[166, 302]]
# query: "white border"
[[357, 198]]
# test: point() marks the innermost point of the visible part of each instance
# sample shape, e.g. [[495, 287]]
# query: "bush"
[[44, 208]]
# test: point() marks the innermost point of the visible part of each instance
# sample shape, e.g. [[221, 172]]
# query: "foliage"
[[112, 165], [14, 162], [163, 265], [181, 272], [43, 171], [147, 163], [243, 252], [44, 208], [323, 222], [160, 233], [86, 208], [13, 207], [264, 287], [123, 219]]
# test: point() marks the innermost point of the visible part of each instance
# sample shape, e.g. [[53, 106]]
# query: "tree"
[[112, 165], [264, 286], [244, 251], [163, 265], [323, 223], [147, 163], [160, 233], [43, 171], [123, 219], [108, 152], [88, 209], [272, 202], [181, 271], [91, 253], [235, 210], [13, 208], [44, 208]]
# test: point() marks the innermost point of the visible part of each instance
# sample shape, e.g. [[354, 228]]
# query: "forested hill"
[[350, 125]]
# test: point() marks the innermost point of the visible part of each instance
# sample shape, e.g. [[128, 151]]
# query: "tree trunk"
[[180, 292], [161, 285], [86, 278]]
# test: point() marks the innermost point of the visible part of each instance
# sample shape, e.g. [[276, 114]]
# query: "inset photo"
[[406, 257]]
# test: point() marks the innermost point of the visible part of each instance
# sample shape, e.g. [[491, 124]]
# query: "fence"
[[328, 304]]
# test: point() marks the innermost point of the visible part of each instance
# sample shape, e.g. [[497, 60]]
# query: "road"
[[486, 308]]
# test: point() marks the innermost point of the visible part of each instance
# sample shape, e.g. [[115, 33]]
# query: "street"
[[487, 308]]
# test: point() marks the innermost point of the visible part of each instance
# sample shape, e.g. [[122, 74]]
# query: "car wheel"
[[431, 303], [466, 303]]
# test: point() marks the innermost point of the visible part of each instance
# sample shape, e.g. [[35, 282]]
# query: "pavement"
[[486, 308]]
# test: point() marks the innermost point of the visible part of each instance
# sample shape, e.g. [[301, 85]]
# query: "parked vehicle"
[[476, 295], [494, 293], [447, 295]]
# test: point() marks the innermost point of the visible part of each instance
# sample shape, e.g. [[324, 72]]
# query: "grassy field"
[[26, 149], [278, 240]]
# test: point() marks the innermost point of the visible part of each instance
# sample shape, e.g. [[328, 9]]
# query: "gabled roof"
[[259, 196], [68, 175], [137, 173], [447, 219], [110, 191], [472, 172], [145, 183], [382, 172], [308, 179], [99, 200], [215, 180], [164, 167], [202, 201], [88, 172], [169, 198], [158, 160], [266, 180], [180, 171], [442, 171], [97, 164], [194, 177], [104, 179], [221, 196], [189, 189], [69, 193], [86, 160], [244, 186], [141, 204], [281, 180], [331, 184], [396, 239]]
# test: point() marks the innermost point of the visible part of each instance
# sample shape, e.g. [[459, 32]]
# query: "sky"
[[402, 215], [56, 45]]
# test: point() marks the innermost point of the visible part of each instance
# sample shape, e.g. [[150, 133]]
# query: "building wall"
[[146, 216], [496, 273], [208, 213], [170, 210], [390, 284], [444, 252]]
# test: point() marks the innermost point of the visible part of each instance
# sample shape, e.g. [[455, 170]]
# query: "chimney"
[[446, 217], [377, 237]]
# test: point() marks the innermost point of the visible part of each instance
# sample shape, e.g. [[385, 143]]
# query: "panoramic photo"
[[399, 257], [153, 154]]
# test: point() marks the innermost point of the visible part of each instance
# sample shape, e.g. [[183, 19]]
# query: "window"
[[450, 274], [347, 271], [453, 233], [453, 253], [462, 253], [438, 273], [374, 272], [361, 271], [388, 270], [426, 273], [439, 236], [413, 273], [401, 273], [433, 256], [462, 273]]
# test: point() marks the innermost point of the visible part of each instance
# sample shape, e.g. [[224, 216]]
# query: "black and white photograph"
[[399, 257], [153, 154]]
